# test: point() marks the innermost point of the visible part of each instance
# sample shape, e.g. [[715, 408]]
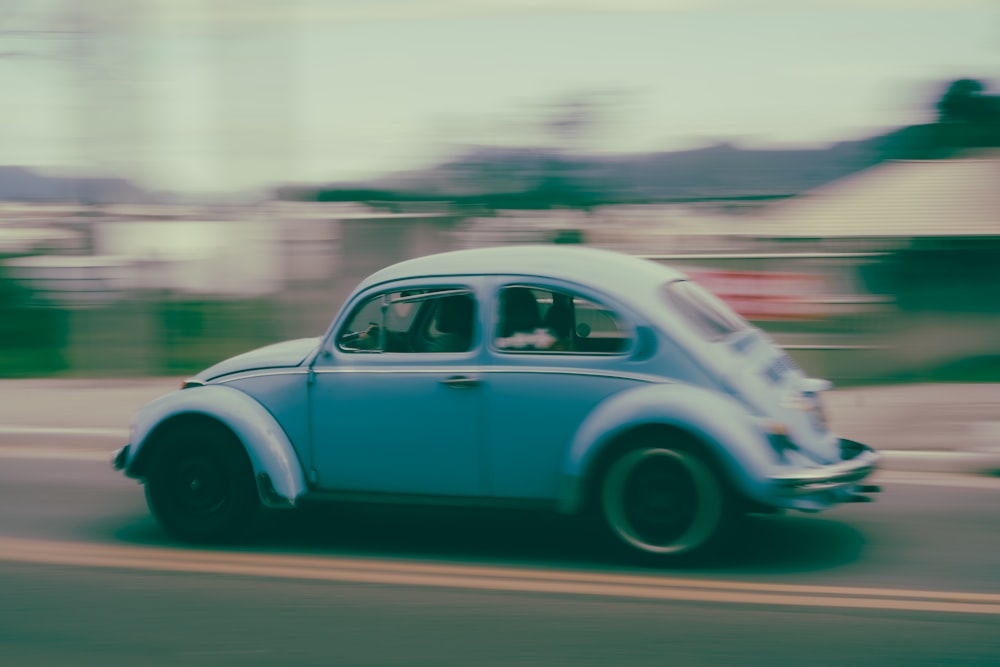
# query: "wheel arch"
[[714, 425], [163, 430], [278, 472]]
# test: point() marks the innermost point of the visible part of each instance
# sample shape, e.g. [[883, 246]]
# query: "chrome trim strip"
[[639, 377], [561, 353], [831, 476], [535, 370], [427, 296], [243, 375]]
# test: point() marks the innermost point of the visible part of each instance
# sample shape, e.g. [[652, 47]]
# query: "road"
[[88, 578], [928, 427]]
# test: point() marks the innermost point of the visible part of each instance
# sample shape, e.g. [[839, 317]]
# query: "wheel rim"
[[662, 501], [199, 486]]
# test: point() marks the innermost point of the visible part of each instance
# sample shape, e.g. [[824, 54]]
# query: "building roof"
[[905, 198]]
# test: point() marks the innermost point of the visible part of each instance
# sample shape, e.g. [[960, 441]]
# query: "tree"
[[968, 117], [965, 102]]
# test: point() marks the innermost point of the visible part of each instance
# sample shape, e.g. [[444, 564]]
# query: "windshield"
[[706, 313]]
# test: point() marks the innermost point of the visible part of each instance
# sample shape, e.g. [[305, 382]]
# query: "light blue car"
[[552, 378]]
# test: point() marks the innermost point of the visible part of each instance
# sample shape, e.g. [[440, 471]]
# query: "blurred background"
[[182, 180]]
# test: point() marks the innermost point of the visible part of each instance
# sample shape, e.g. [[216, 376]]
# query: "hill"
[[20, 184], [530, 177]]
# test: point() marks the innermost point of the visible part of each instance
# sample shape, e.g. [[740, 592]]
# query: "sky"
[[223, 95]]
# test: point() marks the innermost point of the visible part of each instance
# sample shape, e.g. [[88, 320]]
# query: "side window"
[[425, 320], [540, 320], [705, 311]]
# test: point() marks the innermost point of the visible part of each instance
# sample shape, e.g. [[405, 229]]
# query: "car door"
[[395, 403], [554, 354]]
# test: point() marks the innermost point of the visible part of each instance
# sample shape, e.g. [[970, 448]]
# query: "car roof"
[[610, 271]]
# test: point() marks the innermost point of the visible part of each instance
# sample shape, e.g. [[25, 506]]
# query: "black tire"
[[665, 504], [200, 484]]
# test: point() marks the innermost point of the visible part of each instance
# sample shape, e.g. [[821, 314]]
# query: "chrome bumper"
[[860, 461], [119, 457]]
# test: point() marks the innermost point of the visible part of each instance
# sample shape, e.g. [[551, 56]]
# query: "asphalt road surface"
[[88, 578]]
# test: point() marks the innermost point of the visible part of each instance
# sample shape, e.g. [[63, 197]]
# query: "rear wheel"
[[200, 484], [664, 503]]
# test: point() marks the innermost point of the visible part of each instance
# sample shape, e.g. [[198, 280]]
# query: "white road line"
[[948, 479], [942, 479], [77, 431], [936, 455], [44, 452], [311, 568]]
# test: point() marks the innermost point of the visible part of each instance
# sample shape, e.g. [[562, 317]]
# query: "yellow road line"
[[665, 588]]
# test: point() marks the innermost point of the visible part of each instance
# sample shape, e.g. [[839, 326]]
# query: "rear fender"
[[277, 469], [733, 438]]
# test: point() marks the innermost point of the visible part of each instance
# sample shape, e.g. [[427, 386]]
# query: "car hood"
[[280, 355]]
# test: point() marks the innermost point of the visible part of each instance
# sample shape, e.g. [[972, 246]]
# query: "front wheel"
[[200, 484], [665, 503]]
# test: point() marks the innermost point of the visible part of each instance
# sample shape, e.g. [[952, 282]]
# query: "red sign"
[[767, 295]]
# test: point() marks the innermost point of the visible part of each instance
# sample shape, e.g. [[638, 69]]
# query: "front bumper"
[[120, 457], [824, 486]]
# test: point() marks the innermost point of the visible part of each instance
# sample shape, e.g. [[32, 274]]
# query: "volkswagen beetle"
[[554, 378]]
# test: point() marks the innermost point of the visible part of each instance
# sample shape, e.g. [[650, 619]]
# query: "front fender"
[[268, 448], [735, 439]]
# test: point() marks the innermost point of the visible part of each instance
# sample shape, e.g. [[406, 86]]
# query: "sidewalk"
[[923, 427], [920, 427]]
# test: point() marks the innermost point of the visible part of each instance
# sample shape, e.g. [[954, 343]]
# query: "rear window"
[[706, 312]]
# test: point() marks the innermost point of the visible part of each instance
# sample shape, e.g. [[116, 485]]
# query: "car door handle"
[[461, 381]]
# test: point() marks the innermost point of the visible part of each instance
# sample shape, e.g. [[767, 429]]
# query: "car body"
[[557, 378]]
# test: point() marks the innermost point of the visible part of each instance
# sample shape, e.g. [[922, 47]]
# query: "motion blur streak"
[[497, 579], [191, 179], [34, 452]]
